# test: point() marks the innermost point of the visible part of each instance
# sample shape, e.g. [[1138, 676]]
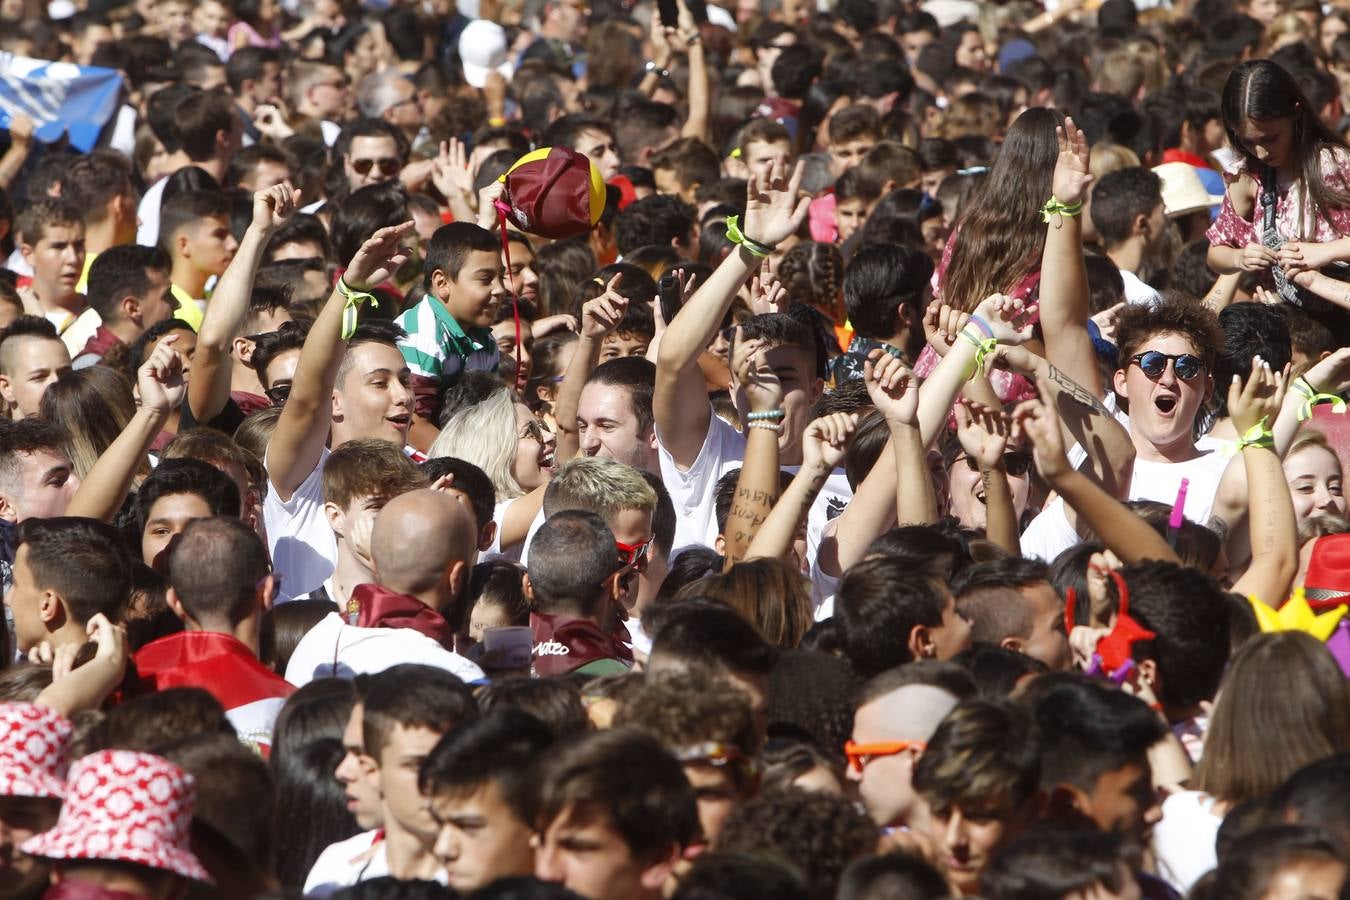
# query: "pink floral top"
[[1230, 229]]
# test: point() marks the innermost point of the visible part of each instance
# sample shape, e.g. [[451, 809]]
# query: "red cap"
[[1328, 580]]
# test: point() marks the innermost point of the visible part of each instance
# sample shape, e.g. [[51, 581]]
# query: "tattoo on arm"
[[1077, 391]]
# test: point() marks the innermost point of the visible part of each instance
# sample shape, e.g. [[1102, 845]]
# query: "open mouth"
[[982, 497], [400, 421], [1165, 404], [546, 461]]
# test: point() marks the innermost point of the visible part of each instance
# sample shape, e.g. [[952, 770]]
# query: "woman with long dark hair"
[[1286, 213]]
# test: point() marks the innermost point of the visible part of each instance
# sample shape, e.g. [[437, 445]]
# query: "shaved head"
[[418, 536], [909, 713]]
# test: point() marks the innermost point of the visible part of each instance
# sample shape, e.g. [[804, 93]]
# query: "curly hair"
[[816, 834], [1176, 313]]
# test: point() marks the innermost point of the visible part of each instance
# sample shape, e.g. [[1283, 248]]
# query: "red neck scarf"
[[562, 644], [379, 607]]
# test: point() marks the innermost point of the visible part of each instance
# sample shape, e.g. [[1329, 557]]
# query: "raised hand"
[[160, 380], [892, 387], [983, 433], [767, 294], [274, 206], [270, 120], [601, 315], [1071, 177], [933, 330], [1331, 375], [488, 195], [451, 173], [1009, 319], [826, 440], [757, 378], [1258, 398], [774, 208], [1299, 256], [1037, 421], [379, 257]]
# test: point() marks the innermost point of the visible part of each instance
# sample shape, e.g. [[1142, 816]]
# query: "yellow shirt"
[[189, 309], [83, 286]]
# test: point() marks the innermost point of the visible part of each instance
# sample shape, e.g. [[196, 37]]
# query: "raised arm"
[[898, 488], [757, 484], [1124, 533], [700, 98], [599, 317], [302, 430], [211, 364], [983, 432], [161, 387], [823, 445], [1064, 284], [680, 399], [1274, 531]]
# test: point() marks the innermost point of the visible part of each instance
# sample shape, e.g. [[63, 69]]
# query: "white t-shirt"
[[299, 538], [1183, 842], [520, 553], [334, 649], [147, 232], [693, 491], [347, 863]]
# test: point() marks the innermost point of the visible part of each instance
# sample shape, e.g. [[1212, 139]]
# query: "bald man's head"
[[418, 536]]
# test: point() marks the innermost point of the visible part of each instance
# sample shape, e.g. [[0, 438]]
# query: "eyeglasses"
[[278, 393], [1153, 363], [532, 431], [1015, 462], [859, 755], [388, 166], [632, 554]]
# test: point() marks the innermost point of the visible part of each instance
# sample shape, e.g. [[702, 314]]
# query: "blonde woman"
[[484, 423]]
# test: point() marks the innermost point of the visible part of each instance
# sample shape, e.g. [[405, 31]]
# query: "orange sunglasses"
[[859, 755]]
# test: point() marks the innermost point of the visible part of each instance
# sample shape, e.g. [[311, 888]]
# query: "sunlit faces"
[[1162, 412], [971, 54], [156, 303], [1306, 879], [849, 216], [847, 154], [587, 855], [358, 516], [796, 371], [717, 795], [168, 517], [476, 293], [1124, 801], [524, 280], [279, 374], [607, 426], [20, 819], [479, 838], [47, 482], [967, 841], [1270, 140], [208, 243], [505, 334], [1048, 641], [533, 463], [371, 160], [400, 759], [885, 782], [623, 344], [631, 527], [1314, 476], [968, 499], [759, 156], [265, 173], [57, 259], [185, 345], [25, 599], [174, 18], [358, 774], [30, 367], [375, 398], [953, 635], [211, 18], [600, 148]]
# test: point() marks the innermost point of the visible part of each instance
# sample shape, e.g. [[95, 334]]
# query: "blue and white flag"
[[60, 98]]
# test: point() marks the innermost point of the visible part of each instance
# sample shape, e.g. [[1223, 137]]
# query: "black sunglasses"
[[1153, 363], [278, 393], [388, 165], [1015, 462]]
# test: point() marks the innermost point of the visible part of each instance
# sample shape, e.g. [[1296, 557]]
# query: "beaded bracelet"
[[1312, 396], [355, 299], [1054, 207], [768, 415], [767, 426], [736, 236], [1258, 436]]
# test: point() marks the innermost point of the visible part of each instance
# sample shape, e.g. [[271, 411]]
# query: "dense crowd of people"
[[630, 449]]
